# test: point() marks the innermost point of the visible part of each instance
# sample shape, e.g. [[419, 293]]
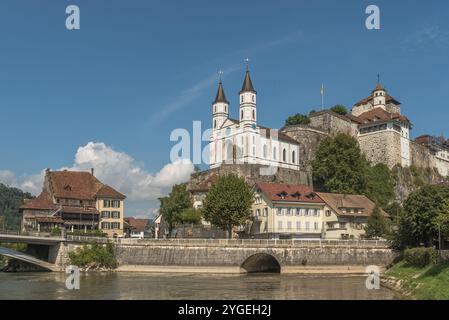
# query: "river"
[[147, 286]]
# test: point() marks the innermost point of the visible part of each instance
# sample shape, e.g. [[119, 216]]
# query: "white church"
[[244, 140]]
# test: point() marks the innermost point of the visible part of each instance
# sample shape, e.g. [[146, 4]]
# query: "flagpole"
[[322, 96]]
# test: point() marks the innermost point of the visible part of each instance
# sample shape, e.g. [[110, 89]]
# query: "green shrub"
[[55, 232], [96, 255], [420, 257]]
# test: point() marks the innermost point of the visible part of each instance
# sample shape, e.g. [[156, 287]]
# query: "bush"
[[420, 257], [95, 255], [55, 232]]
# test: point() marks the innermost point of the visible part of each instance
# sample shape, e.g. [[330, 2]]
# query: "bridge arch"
[[13, 254], [261, 262]]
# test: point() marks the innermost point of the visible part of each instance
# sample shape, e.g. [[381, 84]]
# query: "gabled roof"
[[138, 225], [379, 114], [247, 84], [109, 192], [42, 202], [288, 192], [349, 201]]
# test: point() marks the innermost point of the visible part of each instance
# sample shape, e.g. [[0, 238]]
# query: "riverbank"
[[429, 283], [306, 270]]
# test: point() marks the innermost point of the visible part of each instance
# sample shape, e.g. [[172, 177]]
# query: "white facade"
[[244, 141]]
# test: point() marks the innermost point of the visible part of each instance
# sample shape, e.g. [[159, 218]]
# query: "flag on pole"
[[322, 96], [322, 89]]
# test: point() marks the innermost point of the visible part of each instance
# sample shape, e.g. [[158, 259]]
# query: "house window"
[[115, 203], [289, 225], [105, 225], [265, 212], [258, 212], [115, 225], [298, 225], [316, 225], [328, 213], [279, 225], [306, 212], [307, 225], [279, 211], [298, 212], [105, 214], [115, 214], [107, 203]]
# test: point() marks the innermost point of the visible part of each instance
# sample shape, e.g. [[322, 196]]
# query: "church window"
[[284, 155], [215, 124], [253, 98], [264, 150], [254, 115], [215, 109], [293, 156], [274, 153], [241, 114], [226, 108], [242, 98]]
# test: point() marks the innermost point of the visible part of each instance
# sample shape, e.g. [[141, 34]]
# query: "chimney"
[[92, 171]]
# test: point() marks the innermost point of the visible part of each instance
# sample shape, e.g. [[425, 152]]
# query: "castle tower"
[[220, 108], [379, 97], [248, 113]]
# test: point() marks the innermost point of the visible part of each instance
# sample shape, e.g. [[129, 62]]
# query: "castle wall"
[[332, 123], [422, 157], [309, 141], [382, 147]]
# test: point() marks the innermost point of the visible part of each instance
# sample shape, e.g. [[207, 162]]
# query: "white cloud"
[[116, 169]]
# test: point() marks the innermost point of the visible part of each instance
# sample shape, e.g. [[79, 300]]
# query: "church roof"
[[379, 87], [220, 94], [247, 84], [388, 99]]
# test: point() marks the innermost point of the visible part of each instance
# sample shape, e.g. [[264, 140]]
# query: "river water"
[[188, 287]]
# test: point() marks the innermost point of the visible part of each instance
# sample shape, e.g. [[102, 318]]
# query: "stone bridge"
[[218, 255], [239, 256]]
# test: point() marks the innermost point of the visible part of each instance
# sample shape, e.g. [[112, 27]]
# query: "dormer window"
[[296, 195], [68, 188], [282, 195]]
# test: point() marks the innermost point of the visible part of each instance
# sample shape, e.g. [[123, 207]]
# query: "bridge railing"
[[237, 242]]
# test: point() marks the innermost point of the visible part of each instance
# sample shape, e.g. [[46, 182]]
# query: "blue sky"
[[139, 69]]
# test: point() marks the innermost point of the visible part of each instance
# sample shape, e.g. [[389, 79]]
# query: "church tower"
[[379, 97], [220, 108], [248, 113]]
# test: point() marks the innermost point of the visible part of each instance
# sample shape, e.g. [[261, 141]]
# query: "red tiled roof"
[[288, 192], [388, 99], [42, 202], [108, 192], [379, 114], [69, 209], [74, 185], [137, 224]]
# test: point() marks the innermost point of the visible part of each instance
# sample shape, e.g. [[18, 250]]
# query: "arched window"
[[241, 115], [254, 115], [242, 98], [293, 157], [215, 124], [253, 98], [274, 153], [284, 155], [215, 109], [226, 108], [265, 151]]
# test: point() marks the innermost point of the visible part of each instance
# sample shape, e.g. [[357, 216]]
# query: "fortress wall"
[[309, 141], [332, 123], [421, 156], [382, 147]]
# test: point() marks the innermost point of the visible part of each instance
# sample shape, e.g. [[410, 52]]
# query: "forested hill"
[[10, 201]]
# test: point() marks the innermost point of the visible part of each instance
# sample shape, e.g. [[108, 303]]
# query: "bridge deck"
[[15, 238], [27, 258]]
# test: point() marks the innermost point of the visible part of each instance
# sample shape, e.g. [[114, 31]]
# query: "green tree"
[[379, 184], [297, 119], [340, 109], [174, 205], [190, 216], [340, 166], [228, 203], [377, 224], [423, 212], [10, 201], [394, 209]]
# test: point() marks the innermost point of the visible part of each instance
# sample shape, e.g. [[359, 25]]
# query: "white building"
[[244, 140]]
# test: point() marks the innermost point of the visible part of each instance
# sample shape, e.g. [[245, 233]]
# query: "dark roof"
[[288, 192], [379, 114], [379, 87], [221, 97], [388, 99], [247, 84], [281, 136]]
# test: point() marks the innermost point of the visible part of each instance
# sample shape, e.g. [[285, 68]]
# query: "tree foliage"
[[379, 184], [297, 119], [173, 206], [377, 224], [340, 109], [10, 201], [425, 212], [190, 216], [95, 256], [228, 203], [340, 166]]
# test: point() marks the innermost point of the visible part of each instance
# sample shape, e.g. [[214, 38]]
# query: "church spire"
[[220, 94], [247, 83]]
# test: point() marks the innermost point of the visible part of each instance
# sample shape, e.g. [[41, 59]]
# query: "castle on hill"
[[245, 147]]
